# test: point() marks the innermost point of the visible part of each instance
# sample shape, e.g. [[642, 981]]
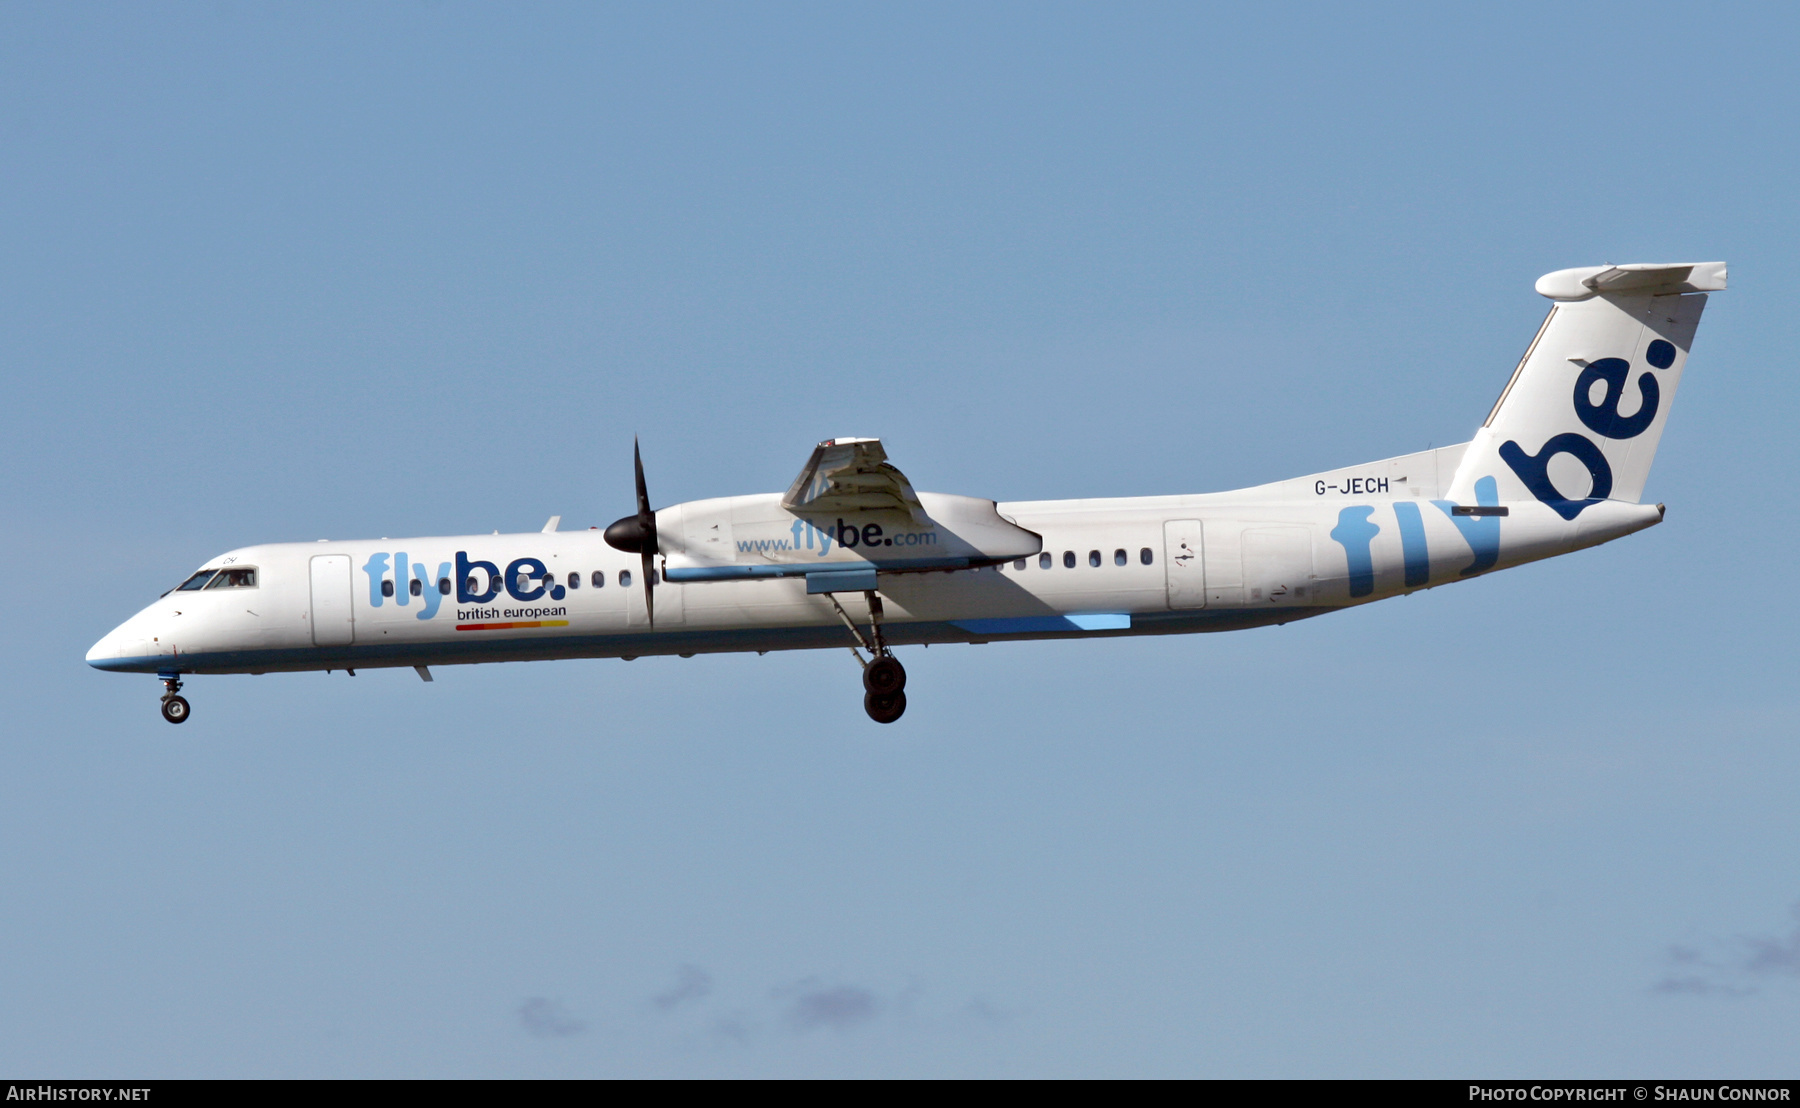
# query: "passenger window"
[[625, 579], [1020, 564], [1145, 556], [444, 586], [469, 587], [1119, 558], [417, 588], [1094, 558], [599, 579], [574, 580], [1068, 559], [387, 587], [1044, 560], [197, 581]]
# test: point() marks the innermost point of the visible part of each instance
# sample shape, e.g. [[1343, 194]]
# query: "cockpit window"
[[197, 581], [236, 577]]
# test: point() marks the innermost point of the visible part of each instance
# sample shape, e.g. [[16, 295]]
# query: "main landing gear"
[[884, 688], [174, 707], [884, 678]]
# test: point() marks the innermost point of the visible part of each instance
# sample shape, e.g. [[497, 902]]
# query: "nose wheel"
[[174, 707]]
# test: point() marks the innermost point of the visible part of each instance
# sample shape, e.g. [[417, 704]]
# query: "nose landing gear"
[[174, 707], [884, 678]]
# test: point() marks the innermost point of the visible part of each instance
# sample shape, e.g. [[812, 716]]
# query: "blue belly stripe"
[[1028, 625]]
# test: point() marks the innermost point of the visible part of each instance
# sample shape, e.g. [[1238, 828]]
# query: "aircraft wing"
[[852, 475], [848, 516]]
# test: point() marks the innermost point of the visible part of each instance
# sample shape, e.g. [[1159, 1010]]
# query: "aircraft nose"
[[109, 652], [105, 650]]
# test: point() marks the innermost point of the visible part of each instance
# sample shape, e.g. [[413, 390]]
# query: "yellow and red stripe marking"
[[512, 626]]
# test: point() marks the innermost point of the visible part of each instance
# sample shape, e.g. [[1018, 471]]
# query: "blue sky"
[[282, 272]]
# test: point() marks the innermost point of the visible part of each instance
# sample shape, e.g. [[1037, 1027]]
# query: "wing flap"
[[852, 475]]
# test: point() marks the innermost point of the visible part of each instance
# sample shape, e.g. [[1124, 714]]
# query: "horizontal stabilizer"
[[1649, 278]]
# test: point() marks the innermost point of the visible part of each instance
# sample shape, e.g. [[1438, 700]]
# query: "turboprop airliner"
[[851, 556]]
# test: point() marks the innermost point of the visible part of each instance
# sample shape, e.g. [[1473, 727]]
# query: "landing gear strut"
[[174, 707], [884, 678]]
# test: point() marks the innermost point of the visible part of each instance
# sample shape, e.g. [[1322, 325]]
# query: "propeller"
[[637, 533]]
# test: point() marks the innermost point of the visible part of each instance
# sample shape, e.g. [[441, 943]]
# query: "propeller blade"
[[637, 533], [645, 515], [649, 586], [646, 520]]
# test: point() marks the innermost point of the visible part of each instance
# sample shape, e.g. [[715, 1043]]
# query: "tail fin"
[[1580, 419]]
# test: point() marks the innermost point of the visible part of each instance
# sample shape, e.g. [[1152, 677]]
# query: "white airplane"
[[851, 556]]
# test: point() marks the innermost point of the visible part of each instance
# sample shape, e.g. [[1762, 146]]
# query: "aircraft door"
[[1183, 566], [333, 623]]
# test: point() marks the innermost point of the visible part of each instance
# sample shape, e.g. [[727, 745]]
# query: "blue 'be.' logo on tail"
[[1602, 419]]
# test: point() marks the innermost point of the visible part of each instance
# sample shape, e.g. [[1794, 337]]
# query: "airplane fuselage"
[[1106, 567], [853, 556]]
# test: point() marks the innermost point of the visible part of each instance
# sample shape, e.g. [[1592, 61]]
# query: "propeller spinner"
[[637, 533]]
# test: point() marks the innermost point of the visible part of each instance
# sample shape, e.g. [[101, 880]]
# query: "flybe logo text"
[[400, 580], [1607, 376], [847, 535]]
